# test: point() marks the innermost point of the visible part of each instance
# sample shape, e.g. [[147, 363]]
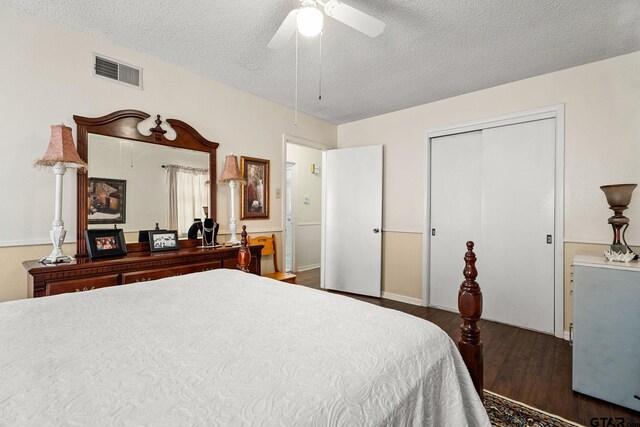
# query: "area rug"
[[504, 412]]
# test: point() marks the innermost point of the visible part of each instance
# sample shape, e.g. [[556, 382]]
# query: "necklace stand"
[[209, 234]]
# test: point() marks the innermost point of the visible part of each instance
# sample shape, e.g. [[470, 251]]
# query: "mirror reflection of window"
[[187, 191]]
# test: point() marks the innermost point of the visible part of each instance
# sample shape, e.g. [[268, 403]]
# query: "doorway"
[[498, 182], [302, 205]]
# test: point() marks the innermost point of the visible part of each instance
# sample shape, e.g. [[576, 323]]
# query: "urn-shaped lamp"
[[619, 197]]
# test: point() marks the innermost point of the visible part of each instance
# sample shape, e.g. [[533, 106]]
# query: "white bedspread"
[[226, 348]]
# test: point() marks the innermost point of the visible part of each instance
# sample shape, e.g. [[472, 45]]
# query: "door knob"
[[376, 230]]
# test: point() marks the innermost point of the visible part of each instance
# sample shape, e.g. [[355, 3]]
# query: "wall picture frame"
[[163, 240], [107, 201], [105, 243], [254, 197]]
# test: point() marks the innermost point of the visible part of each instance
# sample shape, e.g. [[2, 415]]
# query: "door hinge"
[[433, 231], [549, 239]]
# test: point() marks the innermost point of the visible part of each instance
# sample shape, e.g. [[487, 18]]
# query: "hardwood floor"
[[527, 366]]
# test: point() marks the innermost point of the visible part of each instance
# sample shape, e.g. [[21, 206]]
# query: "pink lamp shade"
[[231, 170], [62, 150]]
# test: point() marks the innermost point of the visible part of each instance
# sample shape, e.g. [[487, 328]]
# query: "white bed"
[[226, 348]]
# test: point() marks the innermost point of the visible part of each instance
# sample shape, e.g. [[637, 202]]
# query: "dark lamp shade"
[[62, 150], [231, 170], [618, 195]]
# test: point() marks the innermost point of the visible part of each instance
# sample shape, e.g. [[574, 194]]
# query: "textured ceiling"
[[430, 50]]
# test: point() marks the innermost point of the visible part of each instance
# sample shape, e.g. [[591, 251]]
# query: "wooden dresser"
[[85, 274], [139, 265]]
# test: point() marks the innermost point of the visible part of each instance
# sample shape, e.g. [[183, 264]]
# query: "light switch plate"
[[277, 193], [307, 200]]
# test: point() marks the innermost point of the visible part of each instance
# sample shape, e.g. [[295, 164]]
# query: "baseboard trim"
[[402, 298], [567, 336], [308, 267]]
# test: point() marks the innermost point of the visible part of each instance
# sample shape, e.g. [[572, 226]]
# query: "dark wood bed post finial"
[[470, 307], [244, 255]]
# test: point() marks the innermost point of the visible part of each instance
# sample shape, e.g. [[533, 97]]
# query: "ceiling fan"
[[308, 21]]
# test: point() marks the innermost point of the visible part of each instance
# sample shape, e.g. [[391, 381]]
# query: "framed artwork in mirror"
[[107, 201], [105, 243], [254, 200]]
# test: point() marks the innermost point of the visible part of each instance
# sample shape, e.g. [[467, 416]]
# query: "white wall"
[[602, 146], [46, 78], [602, 140], [308, 215]]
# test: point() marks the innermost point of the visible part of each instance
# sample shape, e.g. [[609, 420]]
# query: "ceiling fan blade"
[[354, 18], [286, 30]]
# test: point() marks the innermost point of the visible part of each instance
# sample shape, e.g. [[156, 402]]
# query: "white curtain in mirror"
[[187, 190]]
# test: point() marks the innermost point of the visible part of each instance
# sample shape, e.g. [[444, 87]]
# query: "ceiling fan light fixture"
[[309, 19]]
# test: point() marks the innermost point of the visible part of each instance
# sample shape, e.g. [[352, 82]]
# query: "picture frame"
[[163, 240], [105, 243], [107, 201], [143, 235], [254, 192]]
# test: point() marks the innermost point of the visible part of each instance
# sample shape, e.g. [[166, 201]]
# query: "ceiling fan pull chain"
[[295, 119], [320, 61]]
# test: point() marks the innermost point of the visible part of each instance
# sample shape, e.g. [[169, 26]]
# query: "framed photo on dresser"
[[105, 243], [163, 240]]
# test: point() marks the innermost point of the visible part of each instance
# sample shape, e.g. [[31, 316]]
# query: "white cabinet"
[[606, 341]]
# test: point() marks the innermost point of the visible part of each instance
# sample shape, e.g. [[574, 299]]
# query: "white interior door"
[[496, 187], [353, 220], [456, 214]]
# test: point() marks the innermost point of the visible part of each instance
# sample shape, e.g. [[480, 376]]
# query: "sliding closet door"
[[518, 219], [456, 214], [496, 187]]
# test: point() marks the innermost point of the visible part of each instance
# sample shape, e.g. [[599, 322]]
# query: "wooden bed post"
[[244, 255], [470, 307]]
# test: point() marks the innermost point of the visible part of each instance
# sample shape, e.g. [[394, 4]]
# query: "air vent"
[[115, 70]]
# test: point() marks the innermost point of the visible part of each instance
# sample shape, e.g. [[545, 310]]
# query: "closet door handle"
[[376, 230]]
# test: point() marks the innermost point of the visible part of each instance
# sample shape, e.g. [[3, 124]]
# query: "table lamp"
[[232, 175], [61, 154], [619, 196]]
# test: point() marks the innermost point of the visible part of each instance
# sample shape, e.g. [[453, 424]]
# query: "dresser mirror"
[[137, 180], [131, 182]]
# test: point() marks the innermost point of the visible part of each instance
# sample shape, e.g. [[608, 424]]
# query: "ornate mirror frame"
[[123, 124]]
